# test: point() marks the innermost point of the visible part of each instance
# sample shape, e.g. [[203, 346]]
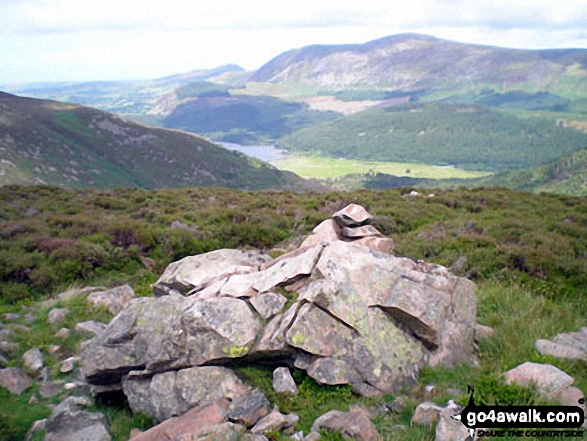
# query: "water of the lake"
[[265, 153]]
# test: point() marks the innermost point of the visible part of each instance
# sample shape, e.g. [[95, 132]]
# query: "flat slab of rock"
[[288, 270], [359, 232], [355, 424], [572, 346], [173, 393], [113, 299], [197, 421], [548, 379], [194, 273], [15, 380], [352, 215], [547, 347]]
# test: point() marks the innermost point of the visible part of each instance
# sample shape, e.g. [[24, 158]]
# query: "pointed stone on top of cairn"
[[352, 215]]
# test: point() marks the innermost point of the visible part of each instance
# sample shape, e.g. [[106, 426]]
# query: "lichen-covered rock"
[[113, 299], [173, 393], [268, 304], [197, 272]]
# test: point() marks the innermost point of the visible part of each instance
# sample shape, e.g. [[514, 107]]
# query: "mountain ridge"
[[415, 61]]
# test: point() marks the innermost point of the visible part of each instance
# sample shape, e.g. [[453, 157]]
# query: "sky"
[[97, 40]]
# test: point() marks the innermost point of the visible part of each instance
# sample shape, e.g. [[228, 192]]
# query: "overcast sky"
[[86, 40]]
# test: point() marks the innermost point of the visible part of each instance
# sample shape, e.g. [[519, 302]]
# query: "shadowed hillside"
[[69, 145]]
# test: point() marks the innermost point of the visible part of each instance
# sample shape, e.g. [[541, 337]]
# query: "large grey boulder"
[[170, 332], [173, 393], [194, 273], [113, 299], [69, 422]]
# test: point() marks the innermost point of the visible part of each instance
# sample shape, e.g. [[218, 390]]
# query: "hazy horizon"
[[107, 40]]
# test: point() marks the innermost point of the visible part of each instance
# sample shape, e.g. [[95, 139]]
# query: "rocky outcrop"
[[354, 315]]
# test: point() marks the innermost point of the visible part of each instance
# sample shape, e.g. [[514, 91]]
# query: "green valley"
[[440, 134]]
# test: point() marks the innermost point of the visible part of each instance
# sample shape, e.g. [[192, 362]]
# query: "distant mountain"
[[125, 97], [411, 62], [70, 145]]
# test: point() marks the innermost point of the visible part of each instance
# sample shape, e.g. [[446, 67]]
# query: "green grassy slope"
[[566, 175], [460, 135], [62, 144]]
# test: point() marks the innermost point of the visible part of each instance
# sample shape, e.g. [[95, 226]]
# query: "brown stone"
[[198, 420], [15, 380]]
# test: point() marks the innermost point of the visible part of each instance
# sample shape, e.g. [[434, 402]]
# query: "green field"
[[319, 167]]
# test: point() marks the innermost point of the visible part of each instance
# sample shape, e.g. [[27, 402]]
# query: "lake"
[[265, 153]]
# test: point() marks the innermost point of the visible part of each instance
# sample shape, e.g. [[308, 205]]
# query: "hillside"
[[212, 110], [411, 62], [75, 146], [467, 136], [566, 175]]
